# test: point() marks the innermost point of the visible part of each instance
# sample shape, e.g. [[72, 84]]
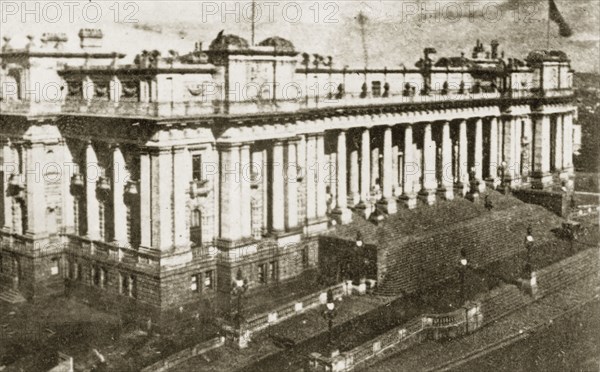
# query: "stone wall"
[[556, 202]]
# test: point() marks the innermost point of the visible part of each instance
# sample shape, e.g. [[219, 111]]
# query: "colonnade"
[[363, 168]]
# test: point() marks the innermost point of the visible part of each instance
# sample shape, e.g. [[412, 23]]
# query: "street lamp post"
[[359, 245], [329, 314], [239, 287], [503, 167], [529, 247], [463, 272]]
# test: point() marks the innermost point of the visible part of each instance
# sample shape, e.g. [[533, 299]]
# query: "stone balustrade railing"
[[432, 326], [262, 321], [215, 105], [113, 252]]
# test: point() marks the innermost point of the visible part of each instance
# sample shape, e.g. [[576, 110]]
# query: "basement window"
[[194, 286], [54, 269]]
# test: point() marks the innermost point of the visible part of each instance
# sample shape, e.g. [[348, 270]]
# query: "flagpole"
[[254, 19], [548, 30]]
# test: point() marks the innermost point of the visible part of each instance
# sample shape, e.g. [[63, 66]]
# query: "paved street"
[[571, 343], [570, 338]]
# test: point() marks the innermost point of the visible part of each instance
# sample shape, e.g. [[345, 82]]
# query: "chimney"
[[90, 38], [495, 45]]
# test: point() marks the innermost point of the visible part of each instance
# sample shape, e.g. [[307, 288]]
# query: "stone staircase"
[[410, 263], [11, 296]]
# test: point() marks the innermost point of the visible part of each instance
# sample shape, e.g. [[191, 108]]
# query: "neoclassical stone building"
[[155, 182]]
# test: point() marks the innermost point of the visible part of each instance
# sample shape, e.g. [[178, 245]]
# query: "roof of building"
[[279, 44], [228, 42]]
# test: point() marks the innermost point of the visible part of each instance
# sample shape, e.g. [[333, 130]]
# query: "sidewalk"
[[434, 356]]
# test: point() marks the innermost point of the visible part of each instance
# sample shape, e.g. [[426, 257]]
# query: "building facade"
[[161, 181]]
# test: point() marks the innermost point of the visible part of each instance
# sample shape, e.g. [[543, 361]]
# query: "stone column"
[[291, 177], [181, 188], [92, 173], [518, 150], [568, 143], [245, 167], [35, 189], [463, 163], [395, 169], [387, 202], [256, 173], [541, 175], [558, 150], [479, 156], [68, 199], [526, 160], [429, 186], [341, 213], [145, 200], [493, 151], [354, 197], [409, 197], [365, 173], [321, 166], [118, 187], [161, 162], [375, 170], [447, 180], [278, 187], [301, 175], [230, 203], [9, 167], [509, 136], [312, 178]]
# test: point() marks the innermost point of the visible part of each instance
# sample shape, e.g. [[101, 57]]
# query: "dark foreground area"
[[571, 343]]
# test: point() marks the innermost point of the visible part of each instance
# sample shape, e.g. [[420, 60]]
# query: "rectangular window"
[[133, 286], [124, 286], [71, 272], [194, 287], [78, 271], [208, 280], [103, 278], [305, 258], [261, 274], [95, 276], [76, 216], [376, 88], [197, 167], [101, 221], [273, 270], [128, 222], [54, 267]]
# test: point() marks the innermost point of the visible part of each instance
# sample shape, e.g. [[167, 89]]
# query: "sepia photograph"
[[299, 185]]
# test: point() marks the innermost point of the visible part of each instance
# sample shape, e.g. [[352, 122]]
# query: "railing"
[[437, 326], [286, 311], [488, 308], [112, 252], [206, 107], [176, 359]]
